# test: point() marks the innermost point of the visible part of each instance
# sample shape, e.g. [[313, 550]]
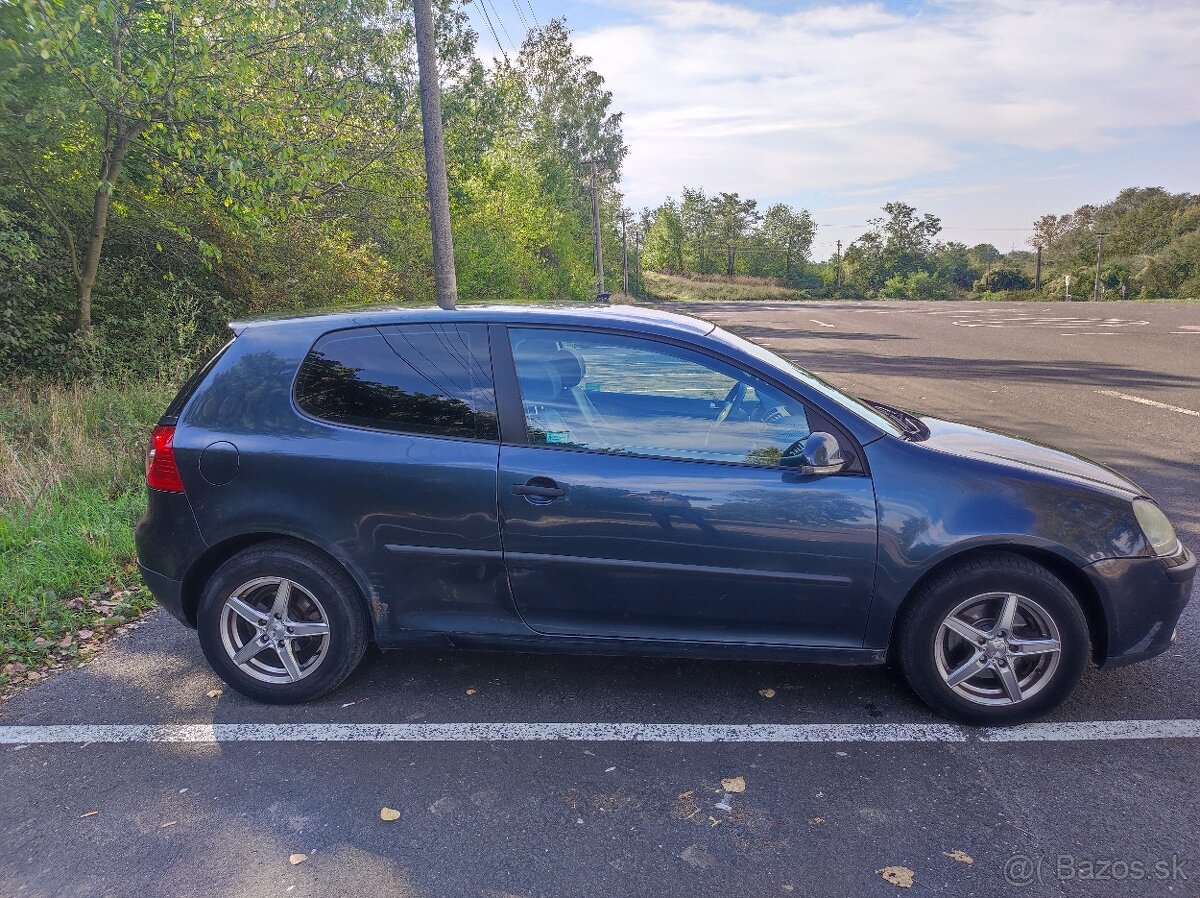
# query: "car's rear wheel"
[[993, 639], [281, 623]]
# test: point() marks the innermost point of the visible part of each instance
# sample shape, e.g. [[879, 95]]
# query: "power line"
[[503, 27], [517, 6], [492, 28], [529, 3]]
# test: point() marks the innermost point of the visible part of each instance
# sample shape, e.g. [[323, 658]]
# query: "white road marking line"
[[1151, 402], [1095, 730], [211, 734], [821, 323]]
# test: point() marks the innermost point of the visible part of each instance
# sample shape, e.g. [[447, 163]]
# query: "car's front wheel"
[[281, 623], [993, 639]]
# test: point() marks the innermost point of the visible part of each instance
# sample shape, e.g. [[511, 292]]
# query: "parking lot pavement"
[[844, 773]]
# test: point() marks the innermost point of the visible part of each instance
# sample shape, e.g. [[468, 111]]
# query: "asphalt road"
[[575, 818]]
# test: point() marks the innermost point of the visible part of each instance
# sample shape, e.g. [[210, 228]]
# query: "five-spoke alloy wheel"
[[282, 623], [993, 639]]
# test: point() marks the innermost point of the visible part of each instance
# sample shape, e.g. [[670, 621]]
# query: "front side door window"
[[630, 396]]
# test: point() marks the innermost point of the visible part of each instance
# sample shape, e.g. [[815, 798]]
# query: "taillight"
[[161, 470]]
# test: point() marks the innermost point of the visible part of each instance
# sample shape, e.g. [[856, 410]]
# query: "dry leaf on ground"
[[297, 858], [215, 693], [961, 856], [472, 692], [767, 693], [89, 814], [734, 784], [389, 814], [168, 823], [898, 876], [815, 821]]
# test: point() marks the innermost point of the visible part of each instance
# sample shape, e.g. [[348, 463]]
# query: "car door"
[[647, 500]]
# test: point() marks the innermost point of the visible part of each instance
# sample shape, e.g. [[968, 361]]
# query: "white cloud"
[[839, 97]]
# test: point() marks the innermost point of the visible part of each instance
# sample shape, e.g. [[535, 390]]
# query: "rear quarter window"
[[193, 383], [425, 379]]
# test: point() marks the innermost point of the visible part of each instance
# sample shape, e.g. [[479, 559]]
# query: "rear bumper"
[[168, 543], [167, 592], [1143, 599]]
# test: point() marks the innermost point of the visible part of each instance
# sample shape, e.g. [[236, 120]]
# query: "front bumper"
[[1143, 599]]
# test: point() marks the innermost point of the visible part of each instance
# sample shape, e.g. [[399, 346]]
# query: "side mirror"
[[821, 454]]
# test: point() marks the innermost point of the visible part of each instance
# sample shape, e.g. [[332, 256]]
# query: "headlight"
[[1159, 532]]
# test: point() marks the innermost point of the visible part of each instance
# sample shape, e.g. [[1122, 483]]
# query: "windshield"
[[782, 365]]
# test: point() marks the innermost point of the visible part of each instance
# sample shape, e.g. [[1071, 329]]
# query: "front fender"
[[935, 505]]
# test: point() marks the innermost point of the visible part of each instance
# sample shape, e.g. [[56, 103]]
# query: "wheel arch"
[[1070, 574], [207, 564]]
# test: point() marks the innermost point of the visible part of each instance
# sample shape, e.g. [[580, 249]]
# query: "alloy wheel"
[[998, 648], [274, 630]]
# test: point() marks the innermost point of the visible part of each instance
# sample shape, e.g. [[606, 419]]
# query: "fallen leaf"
[[215, 693], [295, 859], [815, 821], [898, 876], [767, 693], [389, 814], [684, 796], [86, 634], [168, 823], [472, 692], [348, 704], [89, 814], [961, 856], [734, 784]]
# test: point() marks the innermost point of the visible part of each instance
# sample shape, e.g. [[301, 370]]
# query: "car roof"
[[637, 318]]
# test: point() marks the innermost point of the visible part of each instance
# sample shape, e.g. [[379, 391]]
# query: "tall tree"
[[239, 104]]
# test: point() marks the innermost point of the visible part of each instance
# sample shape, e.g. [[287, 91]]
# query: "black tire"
[[920, 629], [327, 586]]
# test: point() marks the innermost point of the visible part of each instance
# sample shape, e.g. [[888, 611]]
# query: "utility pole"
[[445, 283], [729, 262], [837, 282], [597, 245], [637, 250], [624, 255], [1037, 273], [1096, 294]]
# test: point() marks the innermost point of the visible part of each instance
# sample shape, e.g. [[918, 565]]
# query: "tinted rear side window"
[[431, 379], [192, 383]]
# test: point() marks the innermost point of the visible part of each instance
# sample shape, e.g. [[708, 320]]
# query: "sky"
[[986, 114]]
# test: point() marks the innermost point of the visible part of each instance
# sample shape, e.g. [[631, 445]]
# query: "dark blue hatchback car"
[[626, 480]]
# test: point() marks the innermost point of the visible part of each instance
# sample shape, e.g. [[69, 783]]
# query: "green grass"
[[71, 490], [678, 288]]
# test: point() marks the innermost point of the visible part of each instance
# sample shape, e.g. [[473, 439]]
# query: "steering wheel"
[[733, 399]]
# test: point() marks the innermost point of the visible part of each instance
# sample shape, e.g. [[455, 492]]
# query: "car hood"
[[987, 445]]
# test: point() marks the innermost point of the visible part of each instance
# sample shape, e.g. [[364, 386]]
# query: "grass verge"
[[677, 288], [71, 490]]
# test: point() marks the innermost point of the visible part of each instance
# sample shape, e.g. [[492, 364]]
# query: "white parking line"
[[1095, 731], [482, 732], [821, 323], [1151, 402], [214, 733]]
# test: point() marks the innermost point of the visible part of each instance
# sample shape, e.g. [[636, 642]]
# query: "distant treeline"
[[1150, 249]]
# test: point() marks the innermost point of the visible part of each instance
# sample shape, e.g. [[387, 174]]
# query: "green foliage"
[[1152, 246], [1151, 250], [265, 156]]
